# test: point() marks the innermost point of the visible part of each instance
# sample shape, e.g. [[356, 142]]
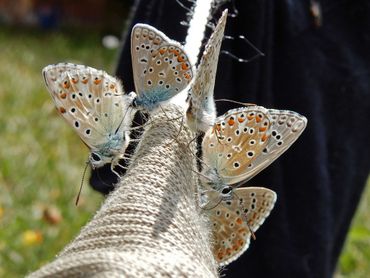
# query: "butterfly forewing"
[[229, 221], [161, 67], [235, 141], [285, 129], [90, 100], [204, 80]]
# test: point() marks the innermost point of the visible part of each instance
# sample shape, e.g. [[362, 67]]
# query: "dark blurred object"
[[47, 14], [101, 15], [17, 12], [318, 65]]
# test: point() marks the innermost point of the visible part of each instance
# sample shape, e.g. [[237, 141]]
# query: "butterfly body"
[[161, 68], [201, 113], [110, 151], [94, 105]]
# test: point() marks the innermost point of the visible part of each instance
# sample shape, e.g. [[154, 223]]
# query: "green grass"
[[41, 159], [355, 259]]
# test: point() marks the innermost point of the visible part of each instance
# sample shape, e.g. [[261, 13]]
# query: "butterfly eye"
[[226, 190], [95, 157]]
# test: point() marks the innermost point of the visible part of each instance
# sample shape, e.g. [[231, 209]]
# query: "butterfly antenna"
[[241, 60], [246, 220], [82, 182], [123, 118], [236, 102], [200, 174], [169, 119]]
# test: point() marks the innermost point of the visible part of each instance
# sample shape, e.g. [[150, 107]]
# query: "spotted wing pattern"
[[246, 140], [229, 219], [236, 139], [161, 68], [94, 105]]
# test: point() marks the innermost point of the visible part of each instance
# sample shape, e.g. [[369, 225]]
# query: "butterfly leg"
[[114, 171], [180, 129]]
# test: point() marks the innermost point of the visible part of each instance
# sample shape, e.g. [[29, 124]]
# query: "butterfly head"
[[226, 192]]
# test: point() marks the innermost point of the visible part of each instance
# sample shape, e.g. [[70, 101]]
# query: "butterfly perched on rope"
[[94, 104], [242, 142], [201, 113], [161, 68]]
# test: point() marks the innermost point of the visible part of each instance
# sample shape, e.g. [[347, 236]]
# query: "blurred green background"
[[42, 160]]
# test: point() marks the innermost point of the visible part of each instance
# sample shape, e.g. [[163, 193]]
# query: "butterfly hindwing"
[[161, 68], [229, 220]]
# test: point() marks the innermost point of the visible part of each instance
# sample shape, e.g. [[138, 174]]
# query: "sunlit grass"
[[355, 259], [41, 159]]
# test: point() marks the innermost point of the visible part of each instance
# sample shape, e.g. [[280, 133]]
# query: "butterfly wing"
[[246, 155], [202, 110], [285, 129], [229, 220], [235, 141], [161, 68], [90, 100]]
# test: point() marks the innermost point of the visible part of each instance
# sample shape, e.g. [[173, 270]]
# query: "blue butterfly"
[[161, 68]]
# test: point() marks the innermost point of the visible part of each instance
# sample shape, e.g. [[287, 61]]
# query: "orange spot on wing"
[[241, 242], [97, 81], [66, 85], [240, 120], [187, 76], [180, 59], [220, 255], [250, 117], [175, 52], [254, 216], [231, 122], [264, 137], [63, 96], [162, 51], [62, 110], [85, 81], [74, 80], [261, 129], [235, 247], [239, 221], [258, 119], [184, 66], [242, 230]]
